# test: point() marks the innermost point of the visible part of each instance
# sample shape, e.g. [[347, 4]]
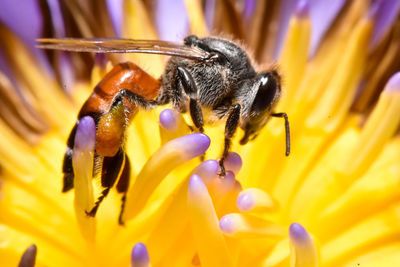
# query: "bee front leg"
[[230, 128], [190, 88]]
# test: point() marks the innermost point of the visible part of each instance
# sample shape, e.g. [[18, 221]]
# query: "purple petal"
[[322, 15], [249, 8], [85, 137], [116, 14], [209, 11], [140, 256], [172, 22], [386, 12], [23, 18], [56, 18], [302, 8]]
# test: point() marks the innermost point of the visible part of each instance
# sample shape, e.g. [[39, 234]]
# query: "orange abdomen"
[[111, 124]]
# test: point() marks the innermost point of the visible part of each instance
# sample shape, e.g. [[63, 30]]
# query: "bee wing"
[[122, 46]]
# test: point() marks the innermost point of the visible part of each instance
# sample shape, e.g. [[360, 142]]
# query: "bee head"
[[265, 92]]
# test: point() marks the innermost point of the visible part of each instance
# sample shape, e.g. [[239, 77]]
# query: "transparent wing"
[[122, 46]]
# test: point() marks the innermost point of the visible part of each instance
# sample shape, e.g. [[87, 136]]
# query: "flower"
[[333, 201]]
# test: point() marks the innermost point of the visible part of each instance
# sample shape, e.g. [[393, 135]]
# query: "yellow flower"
[[333, 202]]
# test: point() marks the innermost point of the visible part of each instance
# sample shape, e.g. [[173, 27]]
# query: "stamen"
[[168, 157], [294, 53], [140, 256], [303, 250], [28, 259], [379, 128], [212, 248], [233, 162], [219, 188], [82, 161], [255, 200], [207, 170], [196, 18], [338, 95], [174, 222], [244, 225], [172, 125]]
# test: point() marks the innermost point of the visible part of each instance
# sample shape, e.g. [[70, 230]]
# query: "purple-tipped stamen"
[[85, 137], [233, 162], [207, 170], [192, 145], [196, 184], [298, 234], [393, 85], [169, 119], [228, 180], [28, 259], [140, 256], [227, 225], [245, 202]]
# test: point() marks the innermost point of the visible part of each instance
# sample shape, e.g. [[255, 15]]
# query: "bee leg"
[[109, 174], [190, 88], [122, 187], [230, 128], [136, 99], [287, 129], [67, 169]]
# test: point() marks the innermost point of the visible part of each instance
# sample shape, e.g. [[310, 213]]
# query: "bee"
[[203, 74]]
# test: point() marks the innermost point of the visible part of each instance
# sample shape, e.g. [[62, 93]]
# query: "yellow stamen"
[[245, 226], [255, 200], [168, 157], [380, 126], [293, 59], [303, 252], [208, 238], [197, 23]]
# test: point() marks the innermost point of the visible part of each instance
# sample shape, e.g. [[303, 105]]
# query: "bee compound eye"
[[265, 94]]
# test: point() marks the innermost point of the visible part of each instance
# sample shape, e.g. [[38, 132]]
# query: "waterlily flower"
[[334, 201]]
